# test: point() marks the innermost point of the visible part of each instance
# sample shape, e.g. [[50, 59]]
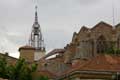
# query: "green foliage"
[[34, 67], [20, 71], [42, 78], [3, 67], [110, 51], [116, 77], [113, 50]]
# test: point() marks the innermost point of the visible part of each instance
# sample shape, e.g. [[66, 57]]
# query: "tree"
[[20, 71], [3, 67]]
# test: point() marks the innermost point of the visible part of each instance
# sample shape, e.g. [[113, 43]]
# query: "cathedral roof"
[[74, 34], [84, 28], [101, 24]]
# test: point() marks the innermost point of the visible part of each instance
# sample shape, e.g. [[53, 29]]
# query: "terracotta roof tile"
[[103, 62], [47, 73], [98, 63]]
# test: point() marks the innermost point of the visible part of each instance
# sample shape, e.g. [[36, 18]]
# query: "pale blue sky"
[[58, 20]]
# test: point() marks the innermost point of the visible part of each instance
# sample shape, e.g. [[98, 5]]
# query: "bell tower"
[[36, 39]]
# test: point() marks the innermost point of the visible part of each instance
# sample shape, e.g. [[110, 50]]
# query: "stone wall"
[[89, 42]]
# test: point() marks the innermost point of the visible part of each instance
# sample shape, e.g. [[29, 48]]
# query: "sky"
[[58, 19]]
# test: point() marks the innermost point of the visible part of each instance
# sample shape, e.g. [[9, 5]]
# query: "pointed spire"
[[36, 16]]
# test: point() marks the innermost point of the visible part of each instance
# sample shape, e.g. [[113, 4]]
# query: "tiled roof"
[[46, 73], [1, 54], [83, 28], [104, 63]]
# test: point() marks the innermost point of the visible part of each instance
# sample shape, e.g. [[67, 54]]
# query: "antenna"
[[35, 2], [113, 13]]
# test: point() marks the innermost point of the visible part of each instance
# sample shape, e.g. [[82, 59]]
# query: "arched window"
[[101, 44]]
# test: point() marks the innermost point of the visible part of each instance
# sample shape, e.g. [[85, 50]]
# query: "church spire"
[[36, 38], [36, 16]]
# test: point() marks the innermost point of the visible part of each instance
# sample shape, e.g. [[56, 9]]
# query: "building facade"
[[89, 42], [85, 57]]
